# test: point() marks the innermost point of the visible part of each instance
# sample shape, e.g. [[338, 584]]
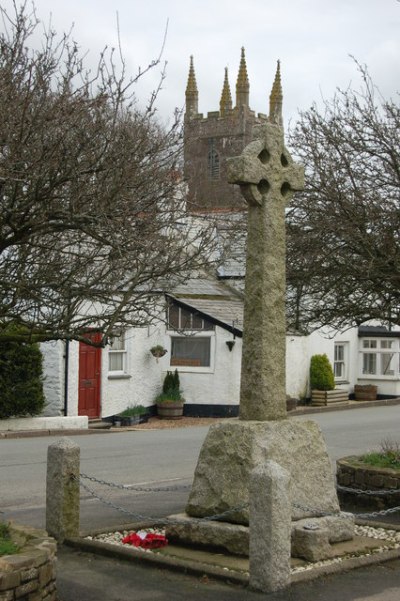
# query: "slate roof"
[[213, 299]]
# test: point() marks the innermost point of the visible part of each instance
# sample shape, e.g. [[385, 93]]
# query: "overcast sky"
[[313, 39]]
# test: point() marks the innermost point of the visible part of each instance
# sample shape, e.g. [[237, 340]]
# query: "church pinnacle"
[[192, 94], [276, 99], [242, 84], [225, 104]]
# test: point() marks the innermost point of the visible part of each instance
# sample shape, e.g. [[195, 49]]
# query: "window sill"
[[193, 369], [379, 377], [118, 377]]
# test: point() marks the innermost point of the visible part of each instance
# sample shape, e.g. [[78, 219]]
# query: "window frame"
[[376, 350], [183, 328], [344, 377], [120, 351]]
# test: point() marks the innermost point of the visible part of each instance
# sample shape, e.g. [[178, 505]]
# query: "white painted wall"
[[53, 370], [220, 384], [297, 365], [143, 373]]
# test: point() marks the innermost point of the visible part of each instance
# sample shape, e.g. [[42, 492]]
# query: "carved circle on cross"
[[266, 169]]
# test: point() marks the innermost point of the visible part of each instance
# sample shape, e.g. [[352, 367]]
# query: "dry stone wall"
[[369, 478], [29, 575]]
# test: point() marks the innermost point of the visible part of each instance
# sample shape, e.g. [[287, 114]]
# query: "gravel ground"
[[155, 423], [390, 540]]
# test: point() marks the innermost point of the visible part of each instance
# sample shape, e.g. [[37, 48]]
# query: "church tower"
[[210, 140]]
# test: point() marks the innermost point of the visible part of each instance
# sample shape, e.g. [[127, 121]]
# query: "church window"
[[213, 160]]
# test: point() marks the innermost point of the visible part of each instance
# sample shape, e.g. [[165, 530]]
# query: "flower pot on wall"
[[365, 392]]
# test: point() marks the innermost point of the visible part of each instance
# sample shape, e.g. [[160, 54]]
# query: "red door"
[[89, 378]]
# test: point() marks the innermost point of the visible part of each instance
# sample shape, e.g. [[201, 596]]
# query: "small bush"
[[21, 379], [321, 373], [7, 547], [132, 411], [171, 388]]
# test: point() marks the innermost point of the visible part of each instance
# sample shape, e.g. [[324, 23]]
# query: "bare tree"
[[92, 221], [344, 229]]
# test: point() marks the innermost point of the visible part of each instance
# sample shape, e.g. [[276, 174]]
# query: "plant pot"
[[365, 392], [322, 398], [170, 410]]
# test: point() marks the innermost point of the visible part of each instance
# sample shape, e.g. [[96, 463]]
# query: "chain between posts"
[[138, 516], [133, 487], [314, 511], [372, 493]]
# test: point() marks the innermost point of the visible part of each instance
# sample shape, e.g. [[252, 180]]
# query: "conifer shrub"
[[321, 373], [21, 379], [171, 388]]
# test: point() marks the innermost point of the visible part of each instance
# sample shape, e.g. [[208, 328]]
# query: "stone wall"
[[29, 575], [356, 475], [229, 135]]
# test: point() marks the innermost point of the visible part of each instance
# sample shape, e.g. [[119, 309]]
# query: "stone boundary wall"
[[361, 477], [17, 424], [29, 575]]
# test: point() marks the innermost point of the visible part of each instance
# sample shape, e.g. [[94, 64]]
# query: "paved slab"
[[86, 577]]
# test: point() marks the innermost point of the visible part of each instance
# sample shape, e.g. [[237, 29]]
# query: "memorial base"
[[232, 450]]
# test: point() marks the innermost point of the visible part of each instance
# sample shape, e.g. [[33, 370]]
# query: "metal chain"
[[135, 488], [137, 516], [316, 512], [372, 493], [321, 513]]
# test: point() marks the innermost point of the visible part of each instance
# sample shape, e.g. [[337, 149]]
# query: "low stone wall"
[[16, 424], [29, 575], [357, 475]]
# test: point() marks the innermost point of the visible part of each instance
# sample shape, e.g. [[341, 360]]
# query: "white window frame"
[[182, 331], [377, 348], [112, 351], [344, 376]]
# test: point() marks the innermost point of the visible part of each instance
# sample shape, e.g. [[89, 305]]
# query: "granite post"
[[270, 528], [62, 489]]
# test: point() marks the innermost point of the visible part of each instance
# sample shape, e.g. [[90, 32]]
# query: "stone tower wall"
[[226, 136]]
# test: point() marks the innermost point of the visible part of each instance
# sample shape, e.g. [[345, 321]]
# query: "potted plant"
[[365, 392], [158, 351], [322, 382], [137, 414], [170, 401]]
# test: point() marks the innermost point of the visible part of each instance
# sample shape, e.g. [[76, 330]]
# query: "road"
[[156, 459]]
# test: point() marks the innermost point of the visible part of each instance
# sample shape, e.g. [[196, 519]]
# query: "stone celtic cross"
[[267, 177]]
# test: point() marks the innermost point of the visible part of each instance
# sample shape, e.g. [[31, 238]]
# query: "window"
[[117, 354], [180, 318], [194, 348], [340, 361], [213, 160], [380, 357], [191, 351]]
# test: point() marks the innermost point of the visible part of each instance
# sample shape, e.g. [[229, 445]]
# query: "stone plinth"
[[232, 450]]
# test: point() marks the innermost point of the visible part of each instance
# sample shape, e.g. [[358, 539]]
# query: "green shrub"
[[7, 546], [132, 411], [321, 373], [21, 379], [171, 388], [171, 382], [168, 383]]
